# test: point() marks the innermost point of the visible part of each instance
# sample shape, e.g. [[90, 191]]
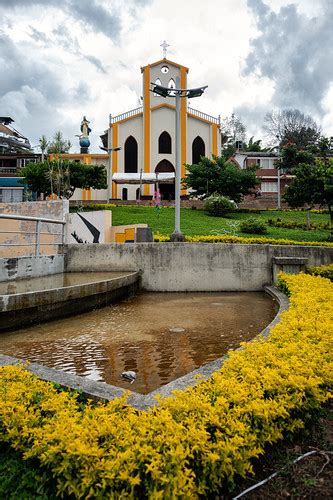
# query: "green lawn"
[[197, 222]]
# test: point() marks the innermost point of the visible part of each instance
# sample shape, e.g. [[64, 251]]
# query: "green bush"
[[218, 205], [323, 271], [253, 226]]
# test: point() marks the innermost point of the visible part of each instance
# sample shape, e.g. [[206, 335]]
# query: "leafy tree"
[[229, 149], [291, 126], [219, 176], [292, 156], [312, 184], [232, 130], [254, 146], [59, 144], [62, 177]]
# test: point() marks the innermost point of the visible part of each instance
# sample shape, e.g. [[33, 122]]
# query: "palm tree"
[[59, 144], [43, 144]]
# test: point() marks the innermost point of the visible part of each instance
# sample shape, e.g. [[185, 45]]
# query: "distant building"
[[15, 153], [268, 173]]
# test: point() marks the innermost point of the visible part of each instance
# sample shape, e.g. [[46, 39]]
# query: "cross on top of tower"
[[164, 46]]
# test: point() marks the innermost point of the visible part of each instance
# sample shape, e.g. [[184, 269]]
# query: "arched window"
[[172, 85], [124, 195], [157, 82], [164, 143], [198, 149], [131, 155]]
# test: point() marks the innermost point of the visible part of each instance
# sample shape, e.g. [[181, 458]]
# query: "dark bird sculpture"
[[130, 376]]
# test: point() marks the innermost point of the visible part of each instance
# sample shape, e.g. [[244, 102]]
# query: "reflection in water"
[[161, 336]]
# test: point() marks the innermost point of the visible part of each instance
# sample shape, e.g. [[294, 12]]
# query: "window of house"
[[164, 143], [266, 163], [124, 195], [269, 187]]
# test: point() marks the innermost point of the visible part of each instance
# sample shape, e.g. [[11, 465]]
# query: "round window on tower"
[[164, 69]]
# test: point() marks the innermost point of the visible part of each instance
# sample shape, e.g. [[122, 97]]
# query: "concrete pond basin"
[[27, 301], [178, 372]]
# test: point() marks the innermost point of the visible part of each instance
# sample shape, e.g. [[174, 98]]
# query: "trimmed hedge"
[[194, 443], [241, 239], [294, 224]]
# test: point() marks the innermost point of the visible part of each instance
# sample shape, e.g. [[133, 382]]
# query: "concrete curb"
[[106, 392]]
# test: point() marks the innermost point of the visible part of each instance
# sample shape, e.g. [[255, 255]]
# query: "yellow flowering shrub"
[[196, 442], [324, 271], [240, 239]]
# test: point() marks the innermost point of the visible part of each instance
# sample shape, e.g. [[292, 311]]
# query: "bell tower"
[[165, 73]]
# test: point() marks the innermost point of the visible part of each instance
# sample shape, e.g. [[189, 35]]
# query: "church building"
[[146, 136]]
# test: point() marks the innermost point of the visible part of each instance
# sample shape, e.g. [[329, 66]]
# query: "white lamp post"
[[177, 235]]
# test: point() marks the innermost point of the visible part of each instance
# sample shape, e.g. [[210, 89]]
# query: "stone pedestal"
[[177, 237], [144, 235], [289, 265]]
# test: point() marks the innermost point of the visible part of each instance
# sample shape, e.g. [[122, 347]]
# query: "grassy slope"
[[197, 222]]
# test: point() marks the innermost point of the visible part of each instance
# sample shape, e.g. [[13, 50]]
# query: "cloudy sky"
[[62, 59]]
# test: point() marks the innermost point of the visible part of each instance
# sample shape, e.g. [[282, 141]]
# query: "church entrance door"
[[167, 190]]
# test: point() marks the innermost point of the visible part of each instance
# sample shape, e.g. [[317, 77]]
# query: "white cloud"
[[67, 67]]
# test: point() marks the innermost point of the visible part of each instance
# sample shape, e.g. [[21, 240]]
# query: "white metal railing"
[[128, 114], [204, 116], [192, 111], [38, 232]]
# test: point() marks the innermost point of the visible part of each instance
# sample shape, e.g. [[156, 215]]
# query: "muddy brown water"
[[161, 336]]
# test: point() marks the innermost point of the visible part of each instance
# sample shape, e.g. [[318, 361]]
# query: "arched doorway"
[[124, 194], [198, 149], [131, 155], [167, 190]]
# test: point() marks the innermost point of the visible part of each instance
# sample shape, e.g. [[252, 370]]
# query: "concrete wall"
[[194, 266], [18, 238], [30, 267]]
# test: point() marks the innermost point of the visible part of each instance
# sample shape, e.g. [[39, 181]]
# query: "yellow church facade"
[[146, 136]]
